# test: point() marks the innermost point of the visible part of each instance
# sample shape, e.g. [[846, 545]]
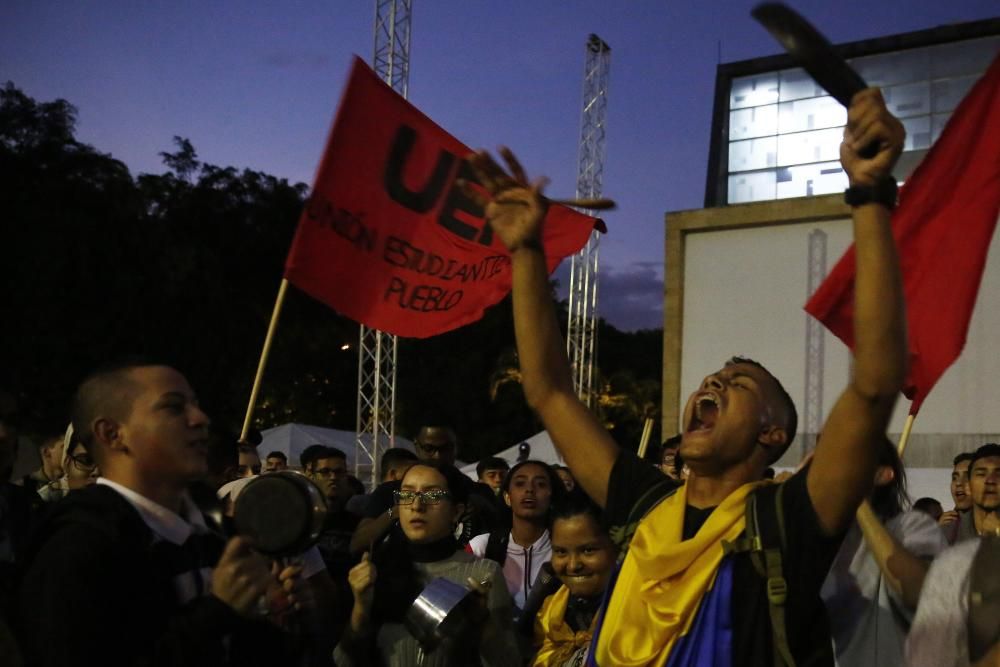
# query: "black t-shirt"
[[805, 563]]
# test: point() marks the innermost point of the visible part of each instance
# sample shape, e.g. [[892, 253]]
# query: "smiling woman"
[[582, 557]]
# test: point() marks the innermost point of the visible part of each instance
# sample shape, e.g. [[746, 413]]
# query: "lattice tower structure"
[[581, 330], [377, 350], [812, 406]]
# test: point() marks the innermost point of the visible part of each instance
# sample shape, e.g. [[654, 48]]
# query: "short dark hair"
[[308, 455], [793, 415], [394, 456], [964, 456], [491, 463], [277, 455], [673, 442], [926, 504], [574, 503], [987, 450], [329, 453], [106, 391]]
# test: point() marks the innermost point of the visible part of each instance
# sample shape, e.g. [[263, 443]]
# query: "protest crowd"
[[125, 546]]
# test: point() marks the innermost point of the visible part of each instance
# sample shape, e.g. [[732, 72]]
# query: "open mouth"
[[706, 412]]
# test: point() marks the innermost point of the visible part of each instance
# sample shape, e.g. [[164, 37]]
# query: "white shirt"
[[939, 636], [868, 620], [175, 528], [522, 565]]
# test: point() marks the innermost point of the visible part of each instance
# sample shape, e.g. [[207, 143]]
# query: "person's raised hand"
[[948, 518], [870, 123], [361, 579], [514, 207], [241, 577]]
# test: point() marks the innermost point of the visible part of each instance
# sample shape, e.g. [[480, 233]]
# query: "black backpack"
[[764, 541]]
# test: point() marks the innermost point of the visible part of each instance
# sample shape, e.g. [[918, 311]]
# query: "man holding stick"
[[685, 588]]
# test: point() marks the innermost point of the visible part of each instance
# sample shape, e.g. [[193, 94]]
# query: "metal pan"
[[282, 513], [814, 53]]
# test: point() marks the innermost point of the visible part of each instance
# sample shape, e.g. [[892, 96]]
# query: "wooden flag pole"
[[647, 430], [263, 356], [904, 438]]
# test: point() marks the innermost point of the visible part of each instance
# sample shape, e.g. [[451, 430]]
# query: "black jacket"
[[96, 591]]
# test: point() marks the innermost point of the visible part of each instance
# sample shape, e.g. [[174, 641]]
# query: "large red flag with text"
[[387, 239], [943, 226]]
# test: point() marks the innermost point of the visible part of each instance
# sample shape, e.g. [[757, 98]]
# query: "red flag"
[[943, 226], [387, 240]]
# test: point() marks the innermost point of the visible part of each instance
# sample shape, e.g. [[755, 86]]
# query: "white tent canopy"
[[541, 449], [292, 439]]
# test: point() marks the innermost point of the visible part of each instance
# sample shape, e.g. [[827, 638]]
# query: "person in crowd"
[[394, 463], [942, 630], [668, 458], [170, 590], [249, 461], [736, 424], [957, 523], [275, 462], [320, 608], [429, 504], [522, 544], [929, 506], [328, 470], [308, 455], [50, 451], [566, 475], [874, 583], [18, 512], [583, 558], [491, 472], [434, 443], [984, 484], [79, 465]]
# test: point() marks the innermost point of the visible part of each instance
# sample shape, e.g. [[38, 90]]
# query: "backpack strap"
[[984, 598], [621, 536], [496, 545], [764, 541]]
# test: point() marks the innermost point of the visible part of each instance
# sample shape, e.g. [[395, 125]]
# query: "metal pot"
[[443, 610], [282, 513]]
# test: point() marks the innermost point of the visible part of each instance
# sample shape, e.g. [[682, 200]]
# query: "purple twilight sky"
[[255, 84]]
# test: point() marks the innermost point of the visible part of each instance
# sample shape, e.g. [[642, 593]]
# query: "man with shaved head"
[[169, 589], [690, 588]]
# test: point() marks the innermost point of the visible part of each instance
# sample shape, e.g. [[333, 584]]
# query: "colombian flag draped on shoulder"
[[943, 225], [387, 239]]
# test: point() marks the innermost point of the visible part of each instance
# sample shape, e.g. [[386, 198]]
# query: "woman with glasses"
[[79, 470], [429, 502]]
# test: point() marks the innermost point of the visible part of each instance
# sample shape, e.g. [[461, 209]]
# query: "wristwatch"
[[883, 192]]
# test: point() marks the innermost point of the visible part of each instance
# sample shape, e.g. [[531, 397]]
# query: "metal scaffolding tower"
[[376, 418], [581, 333], [812, 409]]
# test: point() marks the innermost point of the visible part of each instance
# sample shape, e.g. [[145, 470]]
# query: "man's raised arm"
[[516, 213], [843, 468]]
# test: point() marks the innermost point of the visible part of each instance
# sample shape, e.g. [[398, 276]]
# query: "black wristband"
[[883, 192], [532, 243]]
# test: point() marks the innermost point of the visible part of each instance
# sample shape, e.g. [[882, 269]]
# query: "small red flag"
[[943, 226], [387, 239]]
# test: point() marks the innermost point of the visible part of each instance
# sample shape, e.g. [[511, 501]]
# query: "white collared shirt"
[[174, 528]]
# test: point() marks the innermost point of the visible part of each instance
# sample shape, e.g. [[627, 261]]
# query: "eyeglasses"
[[83, 461], [427, 497]]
